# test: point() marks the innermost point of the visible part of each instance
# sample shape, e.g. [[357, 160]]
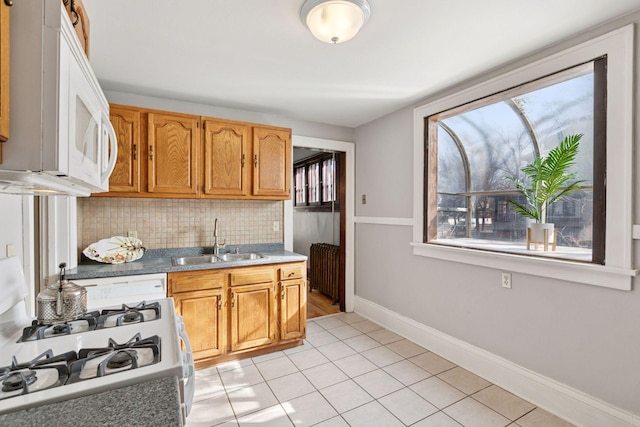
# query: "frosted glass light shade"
[[335, 21]]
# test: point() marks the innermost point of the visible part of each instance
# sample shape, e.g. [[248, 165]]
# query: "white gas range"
[[107, 349]]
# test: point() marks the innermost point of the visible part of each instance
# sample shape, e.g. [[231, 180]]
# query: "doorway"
[[317, 218], [342, 230]]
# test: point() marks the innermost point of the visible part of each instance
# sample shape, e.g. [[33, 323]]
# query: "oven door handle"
[[189, 372]]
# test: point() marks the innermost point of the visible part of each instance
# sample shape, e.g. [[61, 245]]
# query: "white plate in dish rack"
[[115, 250]]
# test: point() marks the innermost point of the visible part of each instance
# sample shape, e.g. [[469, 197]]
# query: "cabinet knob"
[[255, 160]]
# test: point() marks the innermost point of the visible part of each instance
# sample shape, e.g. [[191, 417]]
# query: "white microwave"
[[61, 140]]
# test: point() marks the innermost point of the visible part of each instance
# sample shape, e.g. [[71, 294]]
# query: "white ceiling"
[[257, 55]]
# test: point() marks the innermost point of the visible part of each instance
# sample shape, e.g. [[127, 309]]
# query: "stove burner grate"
[[116, 357], [19, 380], [60, 329], [131, 316], [141, 312], [39, 331], [119, 359], [43, 372]]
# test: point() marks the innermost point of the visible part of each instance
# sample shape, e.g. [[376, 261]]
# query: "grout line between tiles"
[[349, 377]]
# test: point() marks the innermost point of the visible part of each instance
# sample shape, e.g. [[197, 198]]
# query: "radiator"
[[325, 268]]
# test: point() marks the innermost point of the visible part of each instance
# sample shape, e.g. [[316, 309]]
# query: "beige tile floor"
[[352, 372]]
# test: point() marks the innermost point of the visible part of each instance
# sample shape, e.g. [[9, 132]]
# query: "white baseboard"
[[559, 399]]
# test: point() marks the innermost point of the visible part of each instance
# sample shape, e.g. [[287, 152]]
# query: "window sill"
[[518, 248], [579, 272]]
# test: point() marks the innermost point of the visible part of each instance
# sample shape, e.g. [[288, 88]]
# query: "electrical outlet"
[[364, 199], [276, 225], [132, 233], [506, 280], [10, 250]]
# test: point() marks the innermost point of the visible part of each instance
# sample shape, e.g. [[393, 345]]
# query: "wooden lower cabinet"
[[293, 300], [252, 316], [198, 297], [204, 319], [293, 309], [237, 312]]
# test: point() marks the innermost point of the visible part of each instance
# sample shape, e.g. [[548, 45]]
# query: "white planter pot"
[[537, 232]]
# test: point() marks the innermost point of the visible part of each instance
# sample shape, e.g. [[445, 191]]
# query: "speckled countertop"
[[151, 403], [159, 261]]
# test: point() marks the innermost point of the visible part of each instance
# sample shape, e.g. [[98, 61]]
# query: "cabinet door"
[[293, 309], [252, 316], [80, 21], [203, 314], [173, 153], [126, 175], [226, 151], [4, 73], [272, 168]]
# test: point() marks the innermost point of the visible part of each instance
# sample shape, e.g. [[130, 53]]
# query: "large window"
[[465, 143], [478, 145]]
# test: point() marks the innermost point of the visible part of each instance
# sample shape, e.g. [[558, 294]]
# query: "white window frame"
[[619, 271]]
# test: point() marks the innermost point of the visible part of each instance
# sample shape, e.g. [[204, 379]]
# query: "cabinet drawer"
[[251, 275], [199, 280], [292, 271]]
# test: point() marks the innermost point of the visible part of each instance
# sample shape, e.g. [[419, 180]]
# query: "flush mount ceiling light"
[[335, 21]]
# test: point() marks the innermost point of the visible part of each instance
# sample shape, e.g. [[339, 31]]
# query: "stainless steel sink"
[[194, 260], [240, 257]]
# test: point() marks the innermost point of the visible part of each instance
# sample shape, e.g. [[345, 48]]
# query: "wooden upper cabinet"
[[173, 141], [272, 167], [226, 154], [126, 175], [4, 73], [80, 20], [165, 155]]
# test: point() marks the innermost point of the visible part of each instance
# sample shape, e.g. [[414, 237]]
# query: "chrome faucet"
[[216, 245]]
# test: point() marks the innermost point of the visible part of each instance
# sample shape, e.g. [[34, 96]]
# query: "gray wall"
[[384, 166], [298, 127], [583, 336], [314, 227]]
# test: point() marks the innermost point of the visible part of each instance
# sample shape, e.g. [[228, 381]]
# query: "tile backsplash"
[[178, 223]]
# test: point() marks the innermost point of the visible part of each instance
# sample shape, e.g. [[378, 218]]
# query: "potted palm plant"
[[547, 181]]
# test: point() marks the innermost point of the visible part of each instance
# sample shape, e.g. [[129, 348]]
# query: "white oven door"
[[92, 141]]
